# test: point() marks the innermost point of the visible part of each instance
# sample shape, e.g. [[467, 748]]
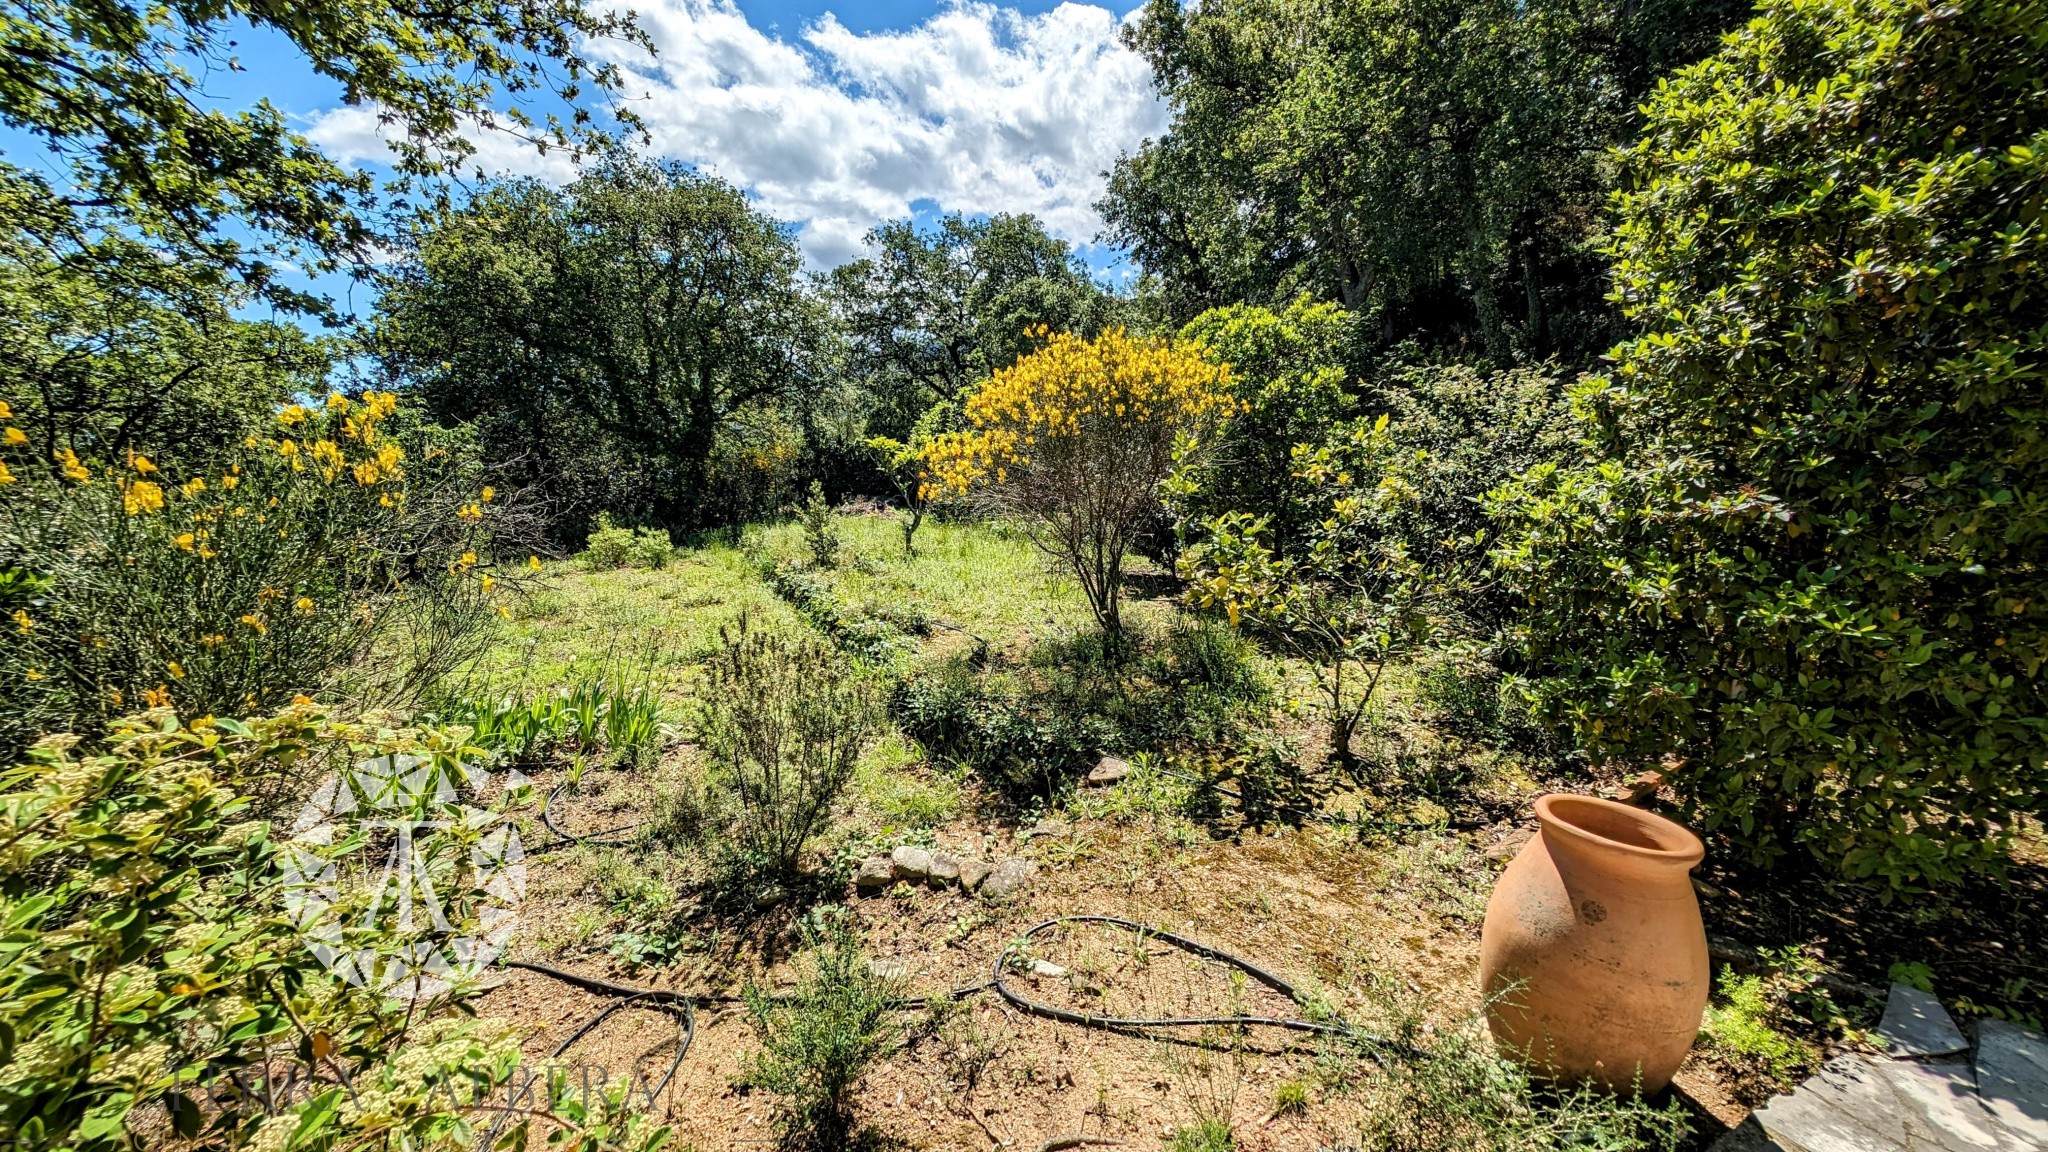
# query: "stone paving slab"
[[1997, 1102], [2012, 1077], [1916, 1024]]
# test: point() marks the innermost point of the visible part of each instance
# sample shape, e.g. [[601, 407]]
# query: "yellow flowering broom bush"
[[233, 589], [1073, 441]]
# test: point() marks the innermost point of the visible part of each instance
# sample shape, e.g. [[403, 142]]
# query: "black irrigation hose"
[[547, 817], [1143, 1022], [672, 1004]]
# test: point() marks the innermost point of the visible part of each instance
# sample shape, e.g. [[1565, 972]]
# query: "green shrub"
[[147, 950], [821, 533], [819, 1040], [651, 548], [610, 546], [1808, 556], [273, 573], [989, 724], [784, 722]]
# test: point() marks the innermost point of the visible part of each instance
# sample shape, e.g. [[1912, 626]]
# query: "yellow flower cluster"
[[1073, 390]]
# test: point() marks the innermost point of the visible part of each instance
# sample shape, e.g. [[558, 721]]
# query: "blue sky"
[[834, 114]]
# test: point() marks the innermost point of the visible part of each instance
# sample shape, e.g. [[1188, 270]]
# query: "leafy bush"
[[1287, 374], [817, 1042], [235, 588], [1808, 557], [1074, 440], [147, 953], [784, 722], [1352, 594], [651, 549], [611, 546], [992, 725]]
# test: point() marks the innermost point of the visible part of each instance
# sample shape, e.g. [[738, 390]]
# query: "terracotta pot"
[[1594, 959]]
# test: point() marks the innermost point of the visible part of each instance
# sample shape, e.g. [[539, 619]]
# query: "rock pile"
[[908, 864]]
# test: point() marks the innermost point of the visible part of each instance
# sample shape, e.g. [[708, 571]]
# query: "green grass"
[[579, 619], [986, 579]]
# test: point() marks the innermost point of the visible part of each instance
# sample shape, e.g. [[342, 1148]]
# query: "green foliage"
[[1739, 1027], [817, 1042], [1288, 375], [1768, 1027], [1434, 165], [859, 631], [784, 723], [928, 313], [1352, 595], [1209, 1135], [151, 865], [821, 533], [611, 546], [1033, 728], [112, 101], [1807, 556], [277, 571], [621, 344], [105, 361]]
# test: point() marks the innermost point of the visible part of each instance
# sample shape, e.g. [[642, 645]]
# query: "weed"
[[819, 1040], [1203, 1136], [784, 723], [1444, 1087], [1759, 1025], [1291, 1098]]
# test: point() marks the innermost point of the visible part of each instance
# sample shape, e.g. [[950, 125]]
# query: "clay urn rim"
[[1617, 827]]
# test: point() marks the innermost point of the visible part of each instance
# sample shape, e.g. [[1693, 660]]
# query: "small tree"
[[1352, 596], [1808, 556], [821, 535], [903, 463], [1074, 440]]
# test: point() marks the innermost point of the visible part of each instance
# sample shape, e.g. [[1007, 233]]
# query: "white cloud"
[[980, 109]]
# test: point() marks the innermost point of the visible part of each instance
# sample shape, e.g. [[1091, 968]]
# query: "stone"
[[1007, 878], [1915, 1024], [910, 864], [1048, 827], [2012, 1077], [1107, 771], [1854, 1104], [1045, 968], [945, 868], [1505, 848], [973, 872], [874, 872]]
